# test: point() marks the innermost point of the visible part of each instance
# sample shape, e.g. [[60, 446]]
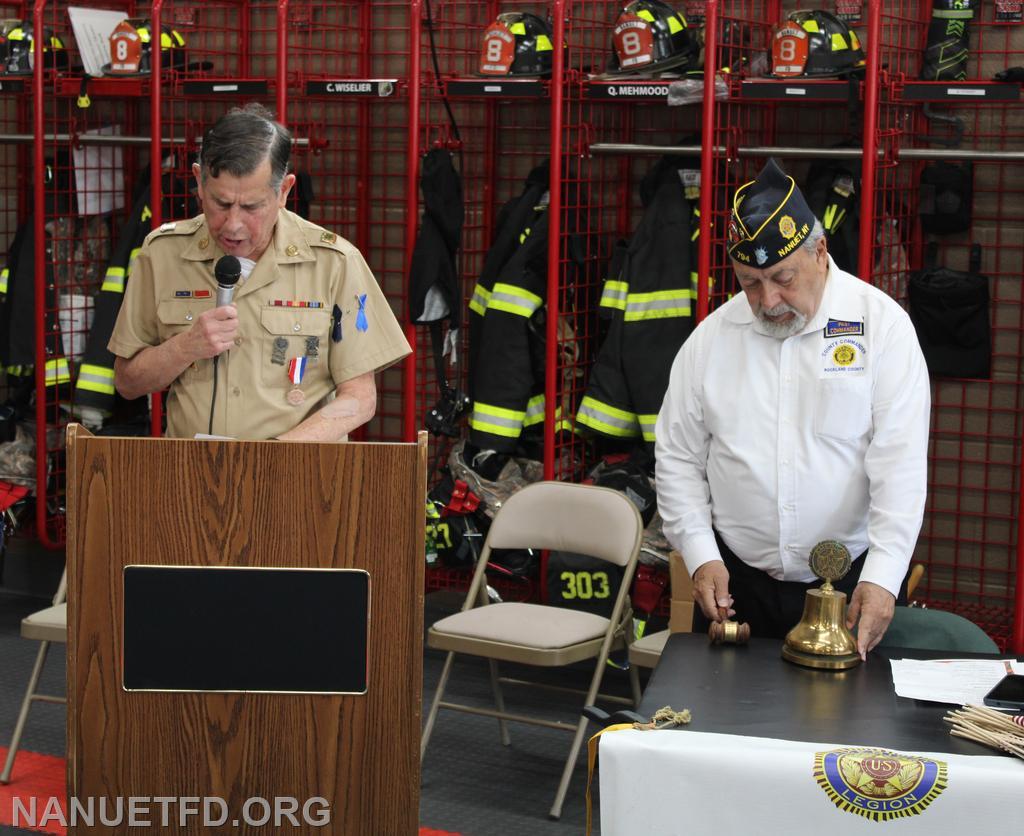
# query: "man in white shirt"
[[796, 412]]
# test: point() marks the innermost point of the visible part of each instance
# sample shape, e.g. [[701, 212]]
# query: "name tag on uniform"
[[843, 358]]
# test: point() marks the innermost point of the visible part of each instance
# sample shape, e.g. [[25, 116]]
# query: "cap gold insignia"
[[204, 243], [291, 250], [787, 227], [328, 237]]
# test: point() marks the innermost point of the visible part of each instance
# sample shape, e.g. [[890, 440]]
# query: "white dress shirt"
[[779, 444]]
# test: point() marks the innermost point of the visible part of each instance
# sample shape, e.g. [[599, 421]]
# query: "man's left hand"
[[873, 606]]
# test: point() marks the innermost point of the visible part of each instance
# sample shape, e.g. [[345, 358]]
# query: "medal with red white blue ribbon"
[[296, 371]]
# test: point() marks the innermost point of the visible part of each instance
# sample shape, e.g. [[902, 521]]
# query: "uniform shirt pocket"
[[293, 332], [176, 316], [843, 408]]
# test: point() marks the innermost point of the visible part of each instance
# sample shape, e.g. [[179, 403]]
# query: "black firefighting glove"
[[946, 53]]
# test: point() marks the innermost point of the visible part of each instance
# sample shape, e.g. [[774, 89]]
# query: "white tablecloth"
[[661, 783]]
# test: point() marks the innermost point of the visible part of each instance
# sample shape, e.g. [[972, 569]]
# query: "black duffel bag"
[[950, 310]]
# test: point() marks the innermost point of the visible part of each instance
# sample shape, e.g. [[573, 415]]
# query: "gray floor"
[[471, 784]]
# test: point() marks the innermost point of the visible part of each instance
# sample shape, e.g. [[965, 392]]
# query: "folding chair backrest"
[[567, 517]]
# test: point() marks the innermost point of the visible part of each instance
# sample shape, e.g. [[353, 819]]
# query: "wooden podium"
[[139, 510]]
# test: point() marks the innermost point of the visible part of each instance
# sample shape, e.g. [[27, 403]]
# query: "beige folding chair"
[[583, 519], [44, 626]]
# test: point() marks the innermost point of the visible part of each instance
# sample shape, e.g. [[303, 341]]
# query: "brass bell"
[[821, 639]]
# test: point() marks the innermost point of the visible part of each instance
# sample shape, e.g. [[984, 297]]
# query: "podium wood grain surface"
[[172, 502]]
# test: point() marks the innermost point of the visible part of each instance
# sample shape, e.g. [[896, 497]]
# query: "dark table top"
[[751, 690]]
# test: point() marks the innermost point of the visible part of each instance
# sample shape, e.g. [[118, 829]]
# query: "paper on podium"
[[955, 681]]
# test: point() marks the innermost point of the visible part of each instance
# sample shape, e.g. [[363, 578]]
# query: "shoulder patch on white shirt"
[[843, 357]]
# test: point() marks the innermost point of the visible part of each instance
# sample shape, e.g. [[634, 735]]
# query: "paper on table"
[[956, 681]]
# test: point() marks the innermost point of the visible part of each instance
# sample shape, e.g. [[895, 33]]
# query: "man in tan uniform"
[[307, 318]]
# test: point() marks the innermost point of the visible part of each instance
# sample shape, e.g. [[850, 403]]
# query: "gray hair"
[[241, 140], [814, 236]]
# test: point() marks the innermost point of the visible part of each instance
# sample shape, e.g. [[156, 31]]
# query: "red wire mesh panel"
[[348, 71], [17, 360], [601, 204], [495, 140], [969, 539], [91, 160]]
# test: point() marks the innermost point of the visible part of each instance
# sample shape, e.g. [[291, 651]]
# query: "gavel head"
[[729, 632]]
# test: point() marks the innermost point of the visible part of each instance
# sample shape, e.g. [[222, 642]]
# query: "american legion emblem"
[[878, 784]]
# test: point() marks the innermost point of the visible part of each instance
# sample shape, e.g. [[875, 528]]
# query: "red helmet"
[[517, 44], [649, 36]]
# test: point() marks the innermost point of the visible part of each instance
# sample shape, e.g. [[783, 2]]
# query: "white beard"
[[781, 330]]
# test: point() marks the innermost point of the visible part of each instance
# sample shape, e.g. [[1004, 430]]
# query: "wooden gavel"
[[729, 632]]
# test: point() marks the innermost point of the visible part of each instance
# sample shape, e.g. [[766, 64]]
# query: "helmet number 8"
[[122, 49], [494, 50], [631, 43]]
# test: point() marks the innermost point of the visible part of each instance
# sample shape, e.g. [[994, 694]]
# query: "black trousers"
[[772, 607]]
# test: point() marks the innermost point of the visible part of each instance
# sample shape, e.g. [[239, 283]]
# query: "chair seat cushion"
[[526, 625], [49, 625], [647, 651]]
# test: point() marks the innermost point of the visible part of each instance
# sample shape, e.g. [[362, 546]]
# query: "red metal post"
[[1017, 637], [554, 239], [39, 254], [707, 158], [156, 156], [870, 144], [412, 202], [282, 62]]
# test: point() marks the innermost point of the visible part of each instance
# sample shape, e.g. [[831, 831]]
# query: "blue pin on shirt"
[[361, 323]]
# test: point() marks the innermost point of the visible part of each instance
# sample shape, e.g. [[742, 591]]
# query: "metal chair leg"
[[499, 702], [428, 728], [570, 764], [26, 703], [634, 683]]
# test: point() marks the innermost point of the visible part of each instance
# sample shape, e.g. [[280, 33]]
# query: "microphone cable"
[[226, 272]]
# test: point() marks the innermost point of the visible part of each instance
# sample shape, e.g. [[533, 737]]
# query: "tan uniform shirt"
[[285, 312]]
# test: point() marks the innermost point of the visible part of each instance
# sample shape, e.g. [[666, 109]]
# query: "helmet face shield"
[[516, 44], [650, 36], [815, 44]]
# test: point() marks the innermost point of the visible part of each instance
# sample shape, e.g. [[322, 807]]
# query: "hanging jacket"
[[507, 378], [18, 310], [94, 388], [651, 294], [832, 191], [433, 280], [511, 230], [508, 315]]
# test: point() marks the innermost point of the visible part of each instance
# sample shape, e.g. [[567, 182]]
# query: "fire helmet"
[[131, 45], [649, 36], [18, 48], [517, 44], [815, 44]]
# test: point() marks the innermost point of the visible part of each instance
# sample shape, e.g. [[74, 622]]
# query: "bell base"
[[818, 661]]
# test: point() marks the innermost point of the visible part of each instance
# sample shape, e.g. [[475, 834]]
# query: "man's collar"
[[288, 242]]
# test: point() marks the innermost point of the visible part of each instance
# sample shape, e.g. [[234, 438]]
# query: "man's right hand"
[[213, 333], [711, 590]]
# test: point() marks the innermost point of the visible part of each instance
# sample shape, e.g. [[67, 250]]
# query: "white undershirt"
[[247, 267]]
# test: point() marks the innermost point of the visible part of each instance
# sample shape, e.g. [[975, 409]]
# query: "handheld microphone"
[[227, 272]]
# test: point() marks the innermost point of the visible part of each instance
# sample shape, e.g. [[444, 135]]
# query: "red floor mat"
[[37, 779]]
